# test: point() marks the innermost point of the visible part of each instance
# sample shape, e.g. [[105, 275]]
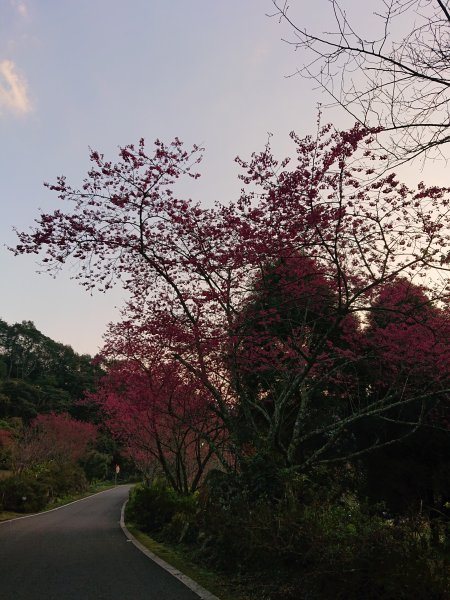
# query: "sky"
[[76, 74]]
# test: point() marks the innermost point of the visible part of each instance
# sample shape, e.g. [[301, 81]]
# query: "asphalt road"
[[79, 552]]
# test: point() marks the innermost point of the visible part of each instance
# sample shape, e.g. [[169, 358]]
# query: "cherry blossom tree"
[[54, 438], [159, 414], [6, 442], [279, 283], [5, 438]]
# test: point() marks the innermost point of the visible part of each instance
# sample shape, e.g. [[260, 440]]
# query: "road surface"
[[79, 552]]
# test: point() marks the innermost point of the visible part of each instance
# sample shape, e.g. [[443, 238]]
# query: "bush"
[[152, 508], [313, 540], [96, 465], [22, 494], [62, 479], [311, 545]]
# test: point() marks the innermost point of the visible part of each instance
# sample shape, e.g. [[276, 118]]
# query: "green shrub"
[[96, 465], [22, 494], [33, 489], [183, 527], [312, 545], [62, 479], [153, 507]]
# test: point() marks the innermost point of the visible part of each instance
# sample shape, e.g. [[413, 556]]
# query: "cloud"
[[13, 90], [21, 7]]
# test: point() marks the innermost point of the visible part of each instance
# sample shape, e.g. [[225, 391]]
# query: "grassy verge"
[[6, 515], [93, 489], [178, 557]]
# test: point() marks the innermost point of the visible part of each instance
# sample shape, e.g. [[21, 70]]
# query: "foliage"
[[317, 543], [6, 442], [153, 507], [22, 494], [60, 479], [43, 457], [33, 489], [39, 375], [161, 420], [411, 477], [57, 438], [96, 465], [316, 540], [278, 284]]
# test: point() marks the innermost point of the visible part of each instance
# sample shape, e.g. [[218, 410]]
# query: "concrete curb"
[[43, 512], [188, 582]]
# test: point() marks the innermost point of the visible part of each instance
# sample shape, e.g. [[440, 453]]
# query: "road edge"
[[187, 581]]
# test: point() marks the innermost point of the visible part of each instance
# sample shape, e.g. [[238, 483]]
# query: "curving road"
[[79, 552]]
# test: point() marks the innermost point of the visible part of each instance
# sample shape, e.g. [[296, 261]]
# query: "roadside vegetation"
[[179, 556], [315, 542]]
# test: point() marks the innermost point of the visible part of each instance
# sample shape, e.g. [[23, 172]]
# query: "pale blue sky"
[[103, 73]]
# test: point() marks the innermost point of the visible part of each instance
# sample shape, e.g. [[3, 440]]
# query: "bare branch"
[[402, 86]]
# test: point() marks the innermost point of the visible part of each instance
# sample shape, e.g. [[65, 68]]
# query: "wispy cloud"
[[20, 6], [13, 90]]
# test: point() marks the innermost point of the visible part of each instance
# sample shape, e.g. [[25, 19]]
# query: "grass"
[[93, 489], [6, 515], [177, 556]]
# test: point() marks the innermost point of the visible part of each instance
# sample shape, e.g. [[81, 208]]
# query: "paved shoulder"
[[79, 552]]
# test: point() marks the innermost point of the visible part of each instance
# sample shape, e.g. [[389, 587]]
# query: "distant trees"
[[39, 375], [393, 74], [49, 441], [406, 342]]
